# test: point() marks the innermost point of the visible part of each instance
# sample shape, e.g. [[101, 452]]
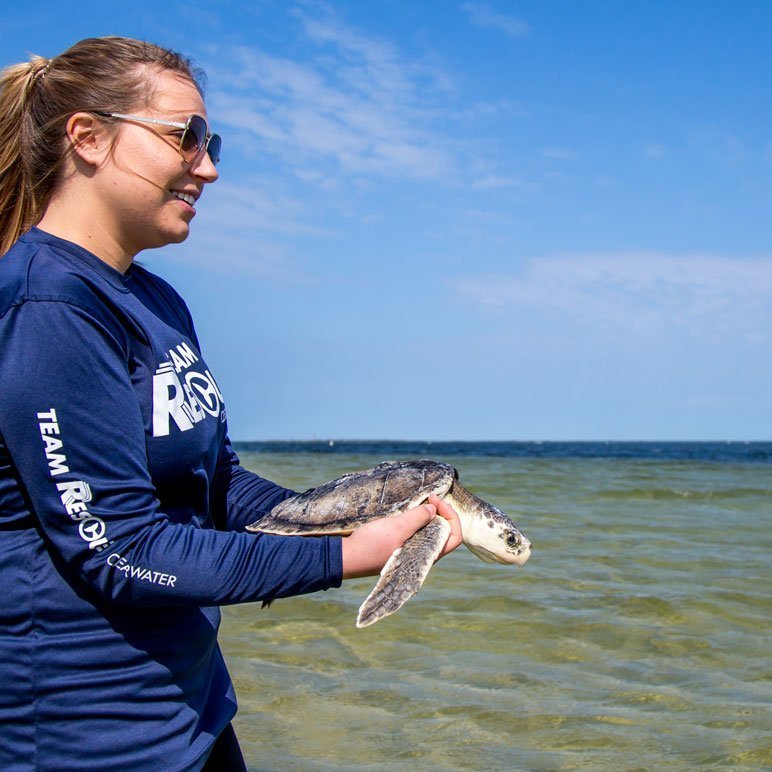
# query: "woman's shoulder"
[[42, 267], [46, 283], [44, 270]]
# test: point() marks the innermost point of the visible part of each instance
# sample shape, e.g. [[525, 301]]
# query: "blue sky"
[[469, 220]]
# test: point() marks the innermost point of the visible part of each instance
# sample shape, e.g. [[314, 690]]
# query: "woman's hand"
[[368, 548]]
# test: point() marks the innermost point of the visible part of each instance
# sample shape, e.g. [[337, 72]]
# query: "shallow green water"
[[637, 636]]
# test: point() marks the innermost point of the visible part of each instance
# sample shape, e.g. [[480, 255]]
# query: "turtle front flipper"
[[404, 572]]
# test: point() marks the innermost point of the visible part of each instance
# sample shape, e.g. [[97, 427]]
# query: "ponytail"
[[17, 207], [37, 98]]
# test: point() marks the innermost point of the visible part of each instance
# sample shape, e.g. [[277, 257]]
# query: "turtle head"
[[496, 539], [488, 532]]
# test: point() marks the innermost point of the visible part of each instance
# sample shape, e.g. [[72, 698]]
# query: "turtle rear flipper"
[[404, 572]]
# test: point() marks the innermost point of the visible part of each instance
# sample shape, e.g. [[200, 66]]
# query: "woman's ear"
[[89, 138]]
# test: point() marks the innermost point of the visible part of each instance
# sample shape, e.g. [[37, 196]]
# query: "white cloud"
[[260, 208], [482, 15], [371, 61], [248, 230], [706, 297], [354, 102]]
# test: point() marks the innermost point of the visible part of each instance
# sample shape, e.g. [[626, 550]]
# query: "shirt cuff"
[[335, 560]]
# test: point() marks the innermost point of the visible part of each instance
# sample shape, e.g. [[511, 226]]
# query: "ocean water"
[[638, 635]]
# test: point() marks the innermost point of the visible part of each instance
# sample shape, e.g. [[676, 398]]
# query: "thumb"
[[417, 517]]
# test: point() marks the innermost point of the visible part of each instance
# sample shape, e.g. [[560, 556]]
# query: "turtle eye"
[[512, 540]]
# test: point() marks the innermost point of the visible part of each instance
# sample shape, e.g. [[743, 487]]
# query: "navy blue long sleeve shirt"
[[122, 507]]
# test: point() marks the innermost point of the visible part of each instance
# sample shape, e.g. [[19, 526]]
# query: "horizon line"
[[323, 440]]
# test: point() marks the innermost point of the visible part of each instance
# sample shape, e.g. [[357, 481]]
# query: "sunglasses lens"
[[213, 148], [193, 138]]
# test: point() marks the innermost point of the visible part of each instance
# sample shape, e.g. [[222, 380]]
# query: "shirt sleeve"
[[74, 429], [240, 497]]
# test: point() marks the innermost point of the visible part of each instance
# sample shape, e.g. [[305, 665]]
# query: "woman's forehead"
[[174, 95]]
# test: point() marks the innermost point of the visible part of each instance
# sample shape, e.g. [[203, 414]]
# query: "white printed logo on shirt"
[[185, 398]]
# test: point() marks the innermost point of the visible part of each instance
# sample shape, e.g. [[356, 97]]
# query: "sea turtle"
[[340, 506]]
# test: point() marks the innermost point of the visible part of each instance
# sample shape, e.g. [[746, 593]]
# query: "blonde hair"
[[37, 98]]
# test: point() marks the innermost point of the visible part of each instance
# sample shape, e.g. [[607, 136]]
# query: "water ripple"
[[635, 638]]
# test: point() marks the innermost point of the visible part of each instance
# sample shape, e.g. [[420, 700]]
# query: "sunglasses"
[[195, 135]]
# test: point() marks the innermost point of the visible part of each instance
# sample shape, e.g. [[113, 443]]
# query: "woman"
[[122, 503]]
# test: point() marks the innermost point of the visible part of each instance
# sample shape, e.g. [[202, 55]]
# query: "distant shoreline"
[[739, 451], [500, 442]]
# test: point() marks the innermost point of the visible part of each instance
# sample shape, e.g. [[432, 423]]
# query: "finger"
[[399, 528], [445, 510], [456, 535], [418, 517]]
